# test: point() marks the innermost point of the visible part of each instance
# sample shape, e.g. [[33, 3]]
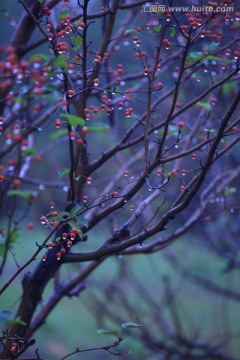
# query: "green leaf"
[[197, 56], [14, 235], [129, 31], [172, 32], [58, 133], [74, 120], [77, 40], [51, 87], [14, 322], [228, 88], [63, 14], [205, 105], [25, 194], [130, 325], [58, 238], [75, 209], [98, 127], [3, 12], [63, 172], [60, 61], [157, 28], [212, 57], [59, 216], [39, 56], [2, 249], [230, 190], [20, 101], [30, 152], [107, 332], [41, 1]]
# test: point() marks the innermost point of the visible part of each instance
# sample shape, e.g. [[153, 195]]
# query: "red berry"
[[69, 243], [58, 123], [81, 25], [115, 194], [72, 236], [16, 183], [159, 172], [30, 226], [80, 141], [43, 219], [181, 124], [2, 177], [84, 198], [84, 130]]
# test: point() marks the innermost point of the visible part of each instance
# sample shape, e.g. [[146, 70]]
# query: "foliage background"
[[74, 322]]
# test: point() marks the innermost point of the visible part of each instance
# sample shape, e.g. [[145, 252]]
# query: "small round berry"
[[72, 236], [69, 243], [174, 172], [43, 220], [84, 130], [64, 236], [30, 226], [194, 156], [81, 25], [50, 245], [184, 171], [80, 141], [181, 124], [159, 172], [44, 257], [84, 198], [72, 135], [115, 194], [126, 172], [52, 204], [16, 183], [89, 179]]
